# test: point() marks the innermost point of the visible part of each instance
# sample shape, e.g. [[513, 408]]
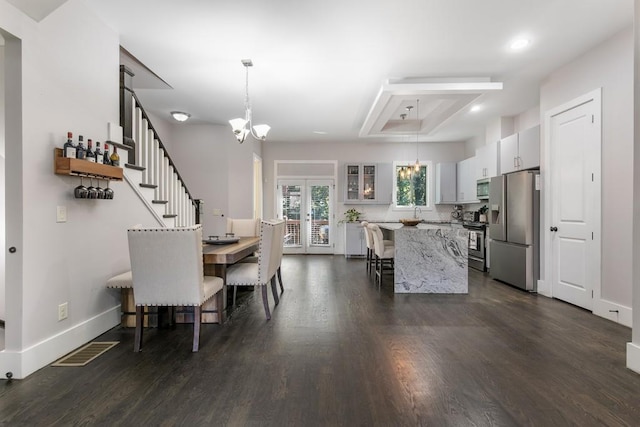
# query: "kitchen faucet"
[[415, 212]]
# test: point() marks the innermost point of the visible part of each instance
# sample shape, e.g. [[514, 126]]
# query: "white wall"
[[216, 169], [633, 348], [610, 66], [358, 151], [64, 77], [2, 184], [527, 119]]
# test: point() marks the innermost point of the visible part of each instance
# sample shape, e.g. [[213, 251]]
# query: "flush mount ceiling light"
[[519, 44], [243, 127], [475, 108], [180, 116]]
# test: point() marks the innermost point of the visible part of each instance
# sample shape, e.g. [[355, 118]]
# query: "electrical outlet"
[[61, 214], [63, 311]]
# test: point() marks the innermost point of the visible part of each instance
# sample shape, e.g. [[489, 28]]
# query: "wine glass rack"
[[77, 167]]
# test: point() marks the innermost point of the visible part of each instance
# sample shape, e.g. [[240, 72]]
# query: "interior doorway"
[[307, 207]]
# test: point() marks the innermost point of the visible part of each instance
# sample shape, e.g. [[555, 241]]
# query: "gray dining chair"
[[264, 271], [167, 270]]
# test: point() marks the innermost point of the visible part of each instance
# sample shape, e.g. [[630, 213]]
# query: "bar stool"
[[384, 253]]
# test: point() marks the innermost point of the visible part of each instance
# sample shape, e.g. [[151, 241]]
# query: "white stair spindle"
[[161, 172], [144, 160], [156, 167], [137, 135], [165, 190], [149, 155]]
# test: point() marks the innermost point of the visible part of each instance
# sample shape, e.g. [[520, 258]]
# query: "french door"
[[307, 207]]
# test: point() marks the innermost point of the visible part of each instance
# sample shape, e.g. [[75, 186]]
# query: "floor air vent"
[[85, 354]]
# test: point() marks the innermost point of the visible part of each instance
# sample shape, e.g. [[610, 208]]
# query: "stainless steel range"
[[477, 251]]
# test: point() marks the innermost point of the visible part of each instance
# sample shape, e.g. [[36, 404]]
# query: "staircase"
[[149, 169]]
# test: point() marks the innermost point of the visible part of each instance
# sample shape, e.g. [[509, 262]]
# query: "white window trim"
[[430, 184]]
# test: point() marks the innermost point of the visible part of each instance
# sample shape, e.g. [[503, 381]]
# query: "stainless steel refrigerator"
[[514, 229]]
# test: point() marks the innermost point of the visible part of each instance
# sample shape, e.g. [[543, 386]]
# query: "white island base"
[[431, 259]]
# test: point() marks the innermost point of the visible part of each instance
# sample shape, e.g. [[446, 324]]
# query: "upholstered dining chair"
[[369, 241], [384, 253], [264, 271], [243, 227], [254, 258], [167, 270]]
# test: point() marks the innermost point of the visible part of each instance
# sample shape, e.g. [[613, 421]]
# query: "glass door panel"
[[320, 213], [290, 201], [369, 182], [353, 182]]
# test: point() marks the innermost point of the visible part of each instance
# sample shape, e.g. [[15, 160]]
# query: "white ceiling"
[[319, 66]]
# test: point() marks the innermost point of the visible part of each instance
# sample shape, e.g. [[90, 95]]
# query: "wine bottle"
[[69, 149], [80, 150], [115, 158], [105, 158], [98, 153], [90, 155]]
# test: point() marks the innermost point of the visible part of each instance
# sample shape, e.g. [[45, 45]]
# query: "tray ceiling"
[[440, 101]]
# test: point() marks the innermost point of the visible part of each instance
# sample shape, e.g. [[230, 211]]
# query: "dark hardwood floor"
[[339, 352]]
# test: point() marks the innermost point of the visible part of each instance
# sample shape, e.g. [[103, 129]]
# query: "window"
[[411, 188]]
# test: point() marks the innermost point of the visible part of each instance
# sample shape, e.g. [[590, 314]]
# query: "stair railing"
[[148, 153]]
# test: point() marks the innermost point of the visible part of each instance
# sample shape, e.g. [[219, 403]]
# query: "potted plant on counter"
[[351, 215]]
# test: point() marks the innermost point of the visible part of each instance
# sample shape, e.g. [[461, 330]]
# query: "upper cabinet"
[[466, 177], [445, 183], [367, 183], [487, 161], [520, 151]]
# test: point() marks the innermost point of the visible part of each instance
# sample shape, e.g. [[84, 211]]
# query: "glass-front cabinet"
[[360, 183]]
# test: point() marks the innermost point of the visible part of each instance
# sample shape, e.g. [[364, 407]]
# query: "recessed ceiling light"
[[319, 132], [475, 108], [519, 44], [180, 116]]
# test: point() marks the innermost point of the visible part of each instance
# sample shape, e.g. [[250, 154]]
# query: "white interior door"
[[575, 197], [307, 207]]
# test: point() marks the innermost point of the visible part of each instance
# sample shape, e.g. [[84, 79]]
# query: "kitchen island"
[[429, 258]]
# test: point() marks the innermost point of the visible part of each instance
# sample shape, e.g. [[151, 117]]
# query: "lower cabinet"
[[355, 243]]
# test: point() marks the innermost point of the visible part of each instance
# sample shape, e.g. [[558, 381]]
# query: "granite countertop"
[[426, 225]]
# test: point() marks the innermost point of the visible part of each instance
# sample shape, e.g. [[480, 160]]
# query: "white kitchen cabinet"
[[445, 183], [466, 180], [355, 243], [362, 183], [487, 161], [529, 148], [509, 154], [520, 151]]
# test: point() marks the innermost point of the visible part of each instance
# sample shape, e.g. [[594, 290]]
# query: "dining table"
[[216, 259]]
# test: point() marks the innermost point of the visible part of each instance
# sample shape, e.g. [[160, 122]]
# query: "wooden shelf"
[[76, 167]]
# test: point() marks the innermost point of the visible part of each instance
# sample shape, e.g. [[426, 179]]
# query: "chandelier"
[[408, 171], [243, 127]]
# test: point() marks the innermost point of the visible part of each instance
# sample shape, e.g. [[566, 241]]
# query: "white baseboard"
[[542, 289], [633, 356], [25, 362], [613, 311]]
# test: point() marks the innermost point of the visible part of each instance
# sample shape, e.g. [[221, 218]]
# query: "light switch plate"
[[61, 214], [217, 212]]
